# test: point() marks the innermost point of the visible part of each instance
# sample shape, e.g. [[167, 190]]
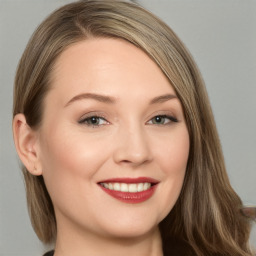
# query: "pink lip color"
[[128, 197]]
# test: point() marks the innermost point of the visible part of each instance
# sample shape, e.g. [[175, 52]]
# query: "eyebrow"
[[111, 100], [163, 98], [94, 96]]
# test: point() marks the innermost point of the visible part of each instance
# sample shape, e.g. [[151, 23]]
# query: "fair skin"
[[111, 113]]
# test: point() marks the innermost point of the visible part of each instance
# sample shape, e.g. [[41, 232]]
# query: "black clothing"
[[173, 248], [175, 252], [49, 253]]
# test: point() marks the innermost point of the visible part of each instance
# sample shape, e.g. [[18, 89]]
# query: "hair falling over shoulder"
[[206, 219]]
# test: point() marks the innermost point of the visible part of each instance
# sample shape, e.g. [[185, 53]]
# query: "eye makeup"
[[93, 120], [163, 120]]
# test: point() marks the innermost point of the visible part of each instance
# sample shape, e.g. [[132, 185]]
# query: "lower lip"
[[131, 198]]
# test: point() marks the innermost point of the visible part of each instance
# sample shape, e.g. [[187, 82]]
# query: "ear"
[[26, 143]]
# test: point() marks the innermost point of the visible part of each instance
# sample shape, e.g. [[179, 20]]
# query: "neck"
[[83, 244]]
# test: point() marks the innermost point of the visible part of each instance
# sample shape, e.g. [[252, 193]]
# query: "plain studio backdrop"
[[220, 34]]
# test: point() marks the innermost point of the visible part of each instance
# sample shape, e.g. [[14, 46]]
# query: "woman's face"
[[113, 144]]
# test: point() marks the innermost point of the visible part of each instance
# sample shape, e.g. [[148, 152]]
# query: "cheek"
[[172, 153], [172, 159], [63, 149], [68, 160]]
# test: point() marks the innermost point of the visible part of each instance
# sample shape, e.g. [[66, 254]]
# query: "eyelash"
[[90, 119], [171, 119]]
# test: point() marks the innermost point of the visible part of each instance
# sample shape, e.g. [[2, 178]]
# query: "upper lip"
[[130, 180]]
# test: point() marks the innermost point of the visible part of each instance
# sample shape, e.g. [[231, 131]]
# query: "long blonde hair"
[[206, 219]]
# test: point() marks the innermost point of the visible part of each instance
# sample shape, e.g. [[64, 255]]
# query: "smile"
[[126, 187], [130, 190]]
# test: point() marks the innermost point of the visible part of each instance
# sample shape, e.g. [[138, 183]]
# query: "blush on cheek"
[[174, 159], [70, 156]]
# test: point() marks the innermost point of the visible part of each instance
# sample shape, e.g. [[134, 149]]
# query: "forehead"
[[107, 66]]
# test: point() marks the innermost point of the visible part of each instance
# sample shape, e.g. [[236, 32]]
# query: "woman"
[[113, 125]]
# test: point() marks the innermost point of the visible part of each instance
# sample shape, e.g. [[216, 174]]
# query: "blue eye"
[[162, 120], [93, 121]]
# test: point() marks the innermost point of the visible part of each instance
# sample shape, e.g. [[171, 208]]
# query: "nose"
[[132, 147]]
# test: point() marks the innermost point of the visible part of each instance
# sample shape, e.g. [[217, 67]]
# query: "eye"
[[94, 121], [162, 120]]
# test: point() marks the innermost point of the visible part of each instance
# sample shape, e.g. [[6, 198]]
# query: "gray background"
[[221, 36]]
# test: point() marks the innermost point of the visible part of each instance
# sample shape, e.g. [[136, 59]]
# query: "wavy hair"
[[206, 219]]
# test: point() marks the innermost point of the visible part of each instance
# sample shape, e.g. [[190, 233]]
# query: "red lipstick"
[[130, 190]]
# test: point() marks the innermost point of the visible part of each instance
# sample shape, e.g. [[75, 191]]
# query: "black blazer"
[[49, 253]]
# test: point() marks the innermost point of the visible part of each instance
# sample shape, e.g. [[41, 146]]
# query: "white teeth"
[[105, 185], [146, 186], [117, 186], [140, 187], [133, 188], [124, 187]]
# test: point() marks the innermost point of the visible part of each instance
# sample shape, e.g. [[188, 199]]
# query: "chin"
[[135, 229]]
